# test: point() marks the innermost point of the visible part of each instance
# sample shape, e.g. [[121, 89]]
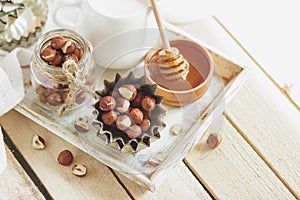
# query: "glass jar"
[[59, 86]]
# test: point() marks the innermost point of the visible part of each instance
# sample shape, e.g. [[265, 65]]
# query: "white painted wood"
[[267, 119], [179, 183], [15, 183], [234, 171], [271, 125], [59, 180], [99, 182]]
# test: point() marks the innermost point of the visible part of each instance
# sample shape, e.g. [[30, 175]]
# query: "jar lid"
[[21, 22]]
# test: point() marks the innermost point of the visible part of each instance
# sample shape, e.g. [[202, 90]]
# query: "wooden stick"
[[161, 26]]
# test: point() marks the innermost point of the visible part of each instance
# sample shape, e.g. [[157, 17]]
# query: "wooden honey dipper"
[[172, 64]]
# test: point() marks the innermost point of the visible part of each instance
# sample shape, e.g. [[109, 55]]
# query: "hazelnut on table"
[[65, 158]]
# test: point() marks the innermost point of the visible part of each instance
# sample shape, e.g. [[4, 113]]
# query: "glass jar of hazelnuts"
[[62, 70]]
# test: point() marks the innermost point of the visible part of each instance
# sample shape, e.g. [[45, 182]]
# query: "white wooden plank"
[[271, 125], [15, 183], [179, 183], [266, 118], [234, 170], [59, 181]]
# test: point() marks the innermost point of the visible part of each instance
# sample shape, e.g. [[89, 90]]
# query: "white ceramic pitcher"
[[103, 21]]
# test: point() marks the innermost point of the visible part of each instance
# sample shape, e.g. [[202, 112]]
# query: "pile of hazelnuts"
[[127, 110], [58, 50]]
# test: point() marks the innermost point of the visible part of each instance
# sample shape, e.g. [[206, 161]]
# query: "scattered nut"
[[82, 124], [153, 162], [145, 125], [107, 103], [109, 117], [38, 142], [79, 170], [48, 54], [128, 92], [58, 42], [134, 131], [148, 103], [54, 99], [176, 129], [213, 140], [123, 122], [136, 115], [68, 48], [122, 105], [65, 158]]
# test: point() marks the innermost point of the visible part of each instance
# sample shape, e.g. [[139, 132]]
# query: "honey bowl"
[[182, 92]]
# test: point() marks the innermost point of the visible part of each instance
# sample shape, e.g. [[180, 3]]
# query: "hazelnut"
[[68, 48], [48, 91], [123, 122], [176, 129], [153, 162], [54, 99], [107, 103], [57, 60], [42, 98], [70, 57], [48, 54], [148, 103], [109, 117], [137, 101], [82, 124], [65, 96], [136, 115], [38, 142], [58, 42], [65, 158], [145, 125], [78, 53], [128, 92], [134, 131], [122, 105], [213, 140], [40, 89], [79, 170]]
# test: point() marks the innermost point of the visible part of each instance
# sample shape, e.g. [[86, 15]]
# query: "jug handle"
[[59, 19]]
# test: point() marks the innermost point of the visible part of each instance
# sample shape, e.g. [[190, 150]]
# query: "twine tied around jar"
[[71, 76]]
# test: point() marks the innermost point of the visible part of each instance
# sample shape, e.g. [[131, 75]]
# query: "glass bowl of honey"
[[181, 92]]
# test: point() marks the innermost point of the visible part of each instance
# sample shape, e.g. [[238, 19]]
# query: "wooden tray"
[[194, 118]]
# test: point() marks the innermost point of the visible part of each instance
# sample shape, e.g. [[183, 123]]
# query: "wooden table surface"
[[259, 156]]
